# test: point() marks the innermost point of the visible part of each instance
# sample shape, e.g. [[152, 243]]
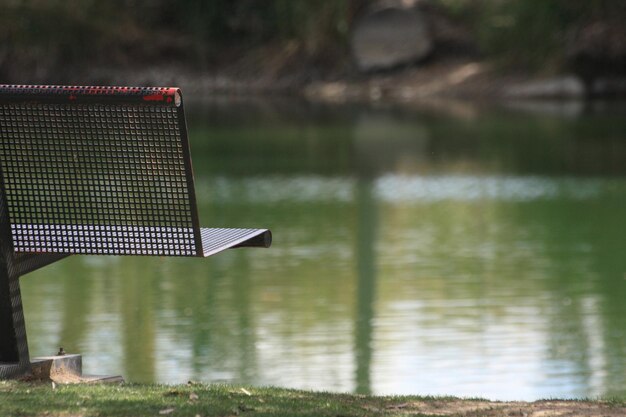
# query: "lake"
[[469, 250]]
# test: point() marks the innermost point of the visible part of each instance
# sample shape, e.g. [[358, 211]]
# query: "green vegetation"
[[74, 35], [54, 39], [542, 35], [22, 399], [45, 399]]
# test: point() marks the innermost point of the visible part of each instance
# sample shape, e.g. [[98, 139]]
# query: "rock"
[[559, 87], [390, 34]]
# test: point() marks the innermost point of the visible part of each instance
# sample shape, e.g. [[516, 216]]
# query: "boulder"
[[390, 34]]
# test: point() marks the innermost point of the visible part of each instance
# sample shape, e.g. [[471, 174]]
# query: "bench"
[[94, 171]]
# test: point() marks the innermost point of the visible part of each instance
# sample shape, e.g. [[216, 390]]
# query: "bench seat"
[[131, 240], [215, 240], [94, 171], [104, 171]]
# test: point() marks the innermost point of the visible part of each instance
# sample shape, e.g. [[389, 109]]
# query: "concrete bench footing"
[[66, 369]]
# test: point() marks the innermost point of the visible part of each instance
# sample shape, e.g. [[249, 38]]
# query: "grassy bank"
[[44, 399]]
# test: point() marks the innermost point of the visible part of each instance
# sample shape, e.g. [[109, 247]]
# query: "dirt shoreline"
[[446, 79], [544, 408], [455, 79]]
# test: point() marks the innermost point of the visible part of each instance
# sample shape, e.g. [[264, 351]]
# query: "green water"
[[457, 249]]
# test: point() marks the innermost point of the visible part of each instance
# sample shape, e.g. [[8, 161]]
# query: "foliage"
[[533, 35], [56, 34], [44, 38]]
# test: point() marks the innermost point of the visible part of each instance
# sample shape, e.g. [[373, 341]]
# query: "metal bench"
[[99, 171]]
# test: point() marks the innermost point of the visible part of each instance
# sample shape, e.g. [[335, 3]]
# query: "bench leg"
[[14, 357]]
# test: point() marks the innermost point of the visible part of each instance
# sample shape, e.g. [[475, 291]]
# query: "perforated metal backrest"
[[98, 170]]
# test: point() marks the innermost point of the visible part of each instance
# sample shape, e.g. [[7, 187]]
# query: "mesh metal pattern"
[[112, 177], [85, 93], [93, 170], [13, 343], [215, 240]]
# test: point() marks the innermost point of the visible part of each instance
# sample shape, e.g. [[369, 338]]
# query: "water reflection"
[[397, 189], [366, 254], [414, 252]]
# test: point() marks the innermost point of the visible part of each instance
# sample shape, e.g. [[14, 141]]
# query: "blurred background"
[[287, 44], [445, 181]]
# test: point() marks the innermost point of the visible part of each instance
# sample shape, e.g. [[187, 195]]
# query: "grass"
[[42, 399], [49, 400]]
